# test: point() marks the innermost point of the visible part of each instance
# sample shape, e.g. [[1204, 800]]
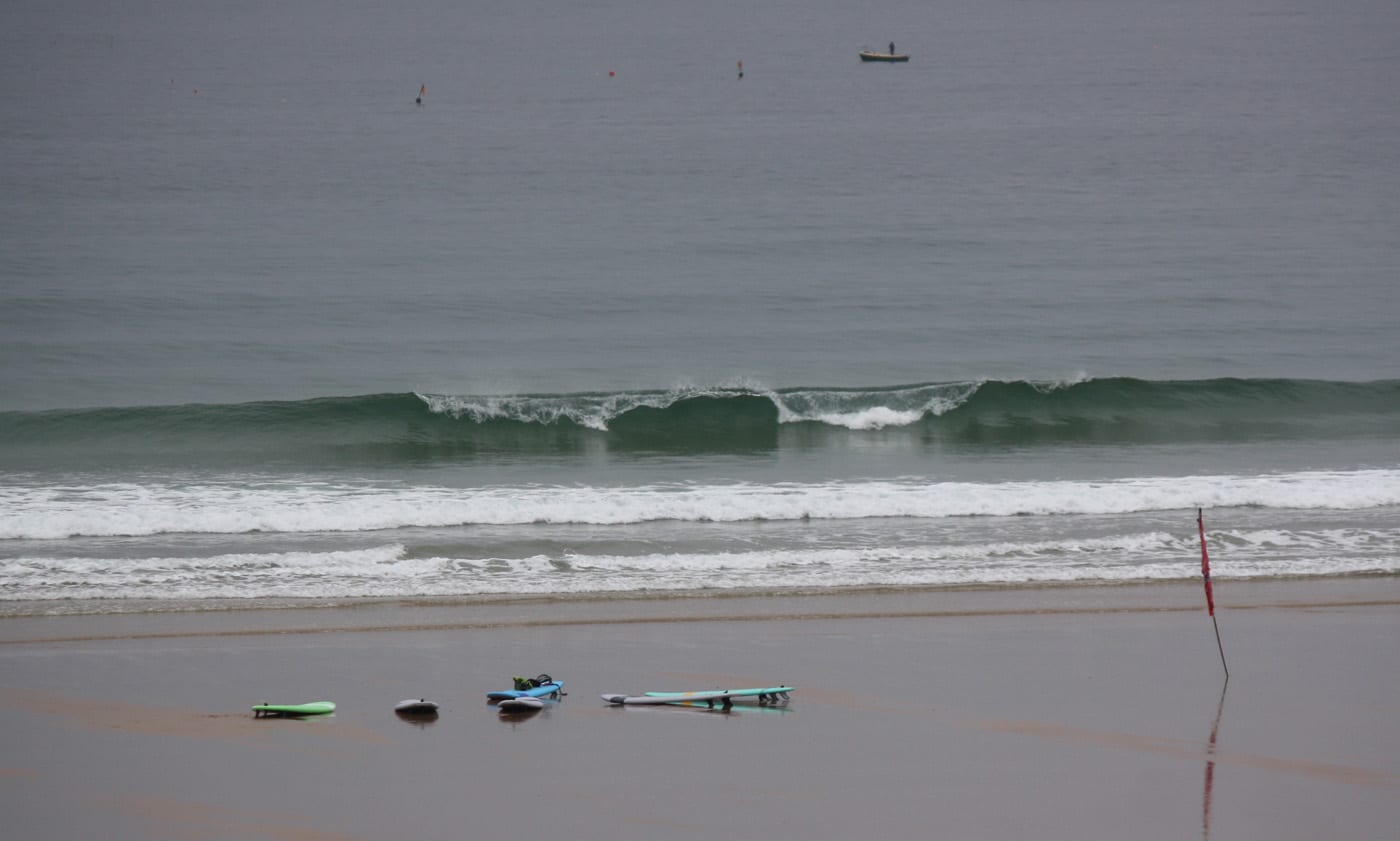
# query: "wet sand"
[[1047, 713]]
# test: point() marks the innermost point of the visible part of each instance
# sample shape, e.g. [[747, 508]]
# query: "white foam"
[[241, 505], [390, 571], [243, 575], [586, 410], [878, 417], [835, 407], [898, 407]]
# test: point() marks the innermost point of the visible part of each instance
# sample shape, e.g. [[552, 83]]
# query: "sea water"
[[599, 315]]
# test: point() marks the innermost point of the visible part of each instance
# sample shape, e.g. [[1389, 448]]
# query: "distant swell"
[[409, 428]]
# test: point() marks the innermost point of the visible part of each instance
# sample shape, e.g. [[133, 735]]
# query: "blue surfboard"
[[553, 689]]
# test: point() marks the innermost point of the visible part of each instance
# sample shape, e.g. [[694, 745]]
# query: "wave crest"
[[414, 428]]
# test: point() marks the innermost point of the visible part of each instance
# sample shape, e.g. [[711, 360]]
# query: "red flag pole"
[[1210, 595]]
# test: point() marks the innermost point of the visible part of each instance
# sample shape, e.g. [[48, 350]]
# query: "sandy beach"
[[1052, 713]]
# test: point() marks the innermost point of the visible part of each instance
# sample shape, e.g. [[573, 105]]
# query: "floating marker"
[[741, 68], [611, 73]]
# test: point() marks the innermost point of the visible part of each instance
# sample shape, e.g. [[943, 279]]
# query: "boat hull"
[[885, 57]]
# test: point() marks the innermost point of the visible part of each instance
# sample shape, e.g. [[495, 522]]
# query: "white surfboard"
[[520, 705], [711, 697], [764, 695]]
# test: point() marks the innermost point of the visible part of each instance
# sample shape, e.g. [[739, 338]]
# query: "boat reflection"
[[417, 719]]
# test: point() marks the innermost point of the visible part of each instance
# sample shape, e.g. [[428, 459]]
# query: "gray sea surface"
[[217, 203]]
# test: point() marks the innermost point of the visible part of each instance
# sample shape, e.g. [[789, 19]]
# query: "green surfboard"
[[294, 710]]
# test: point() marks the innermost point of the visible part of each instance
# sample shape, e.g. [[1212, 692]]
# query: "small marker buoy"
[[612, 73]]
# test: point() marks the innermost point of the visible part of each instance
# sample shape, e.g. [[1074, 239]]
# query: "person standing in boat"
[[891, 48]]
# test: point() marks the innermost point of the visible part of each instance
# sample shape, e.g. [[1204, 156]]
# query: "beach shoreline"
[[1076, 710], [136, 619], [19, 620]]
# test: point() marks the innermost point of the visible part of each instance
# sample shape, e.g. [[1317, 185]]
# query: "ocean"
[[609, 312]]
